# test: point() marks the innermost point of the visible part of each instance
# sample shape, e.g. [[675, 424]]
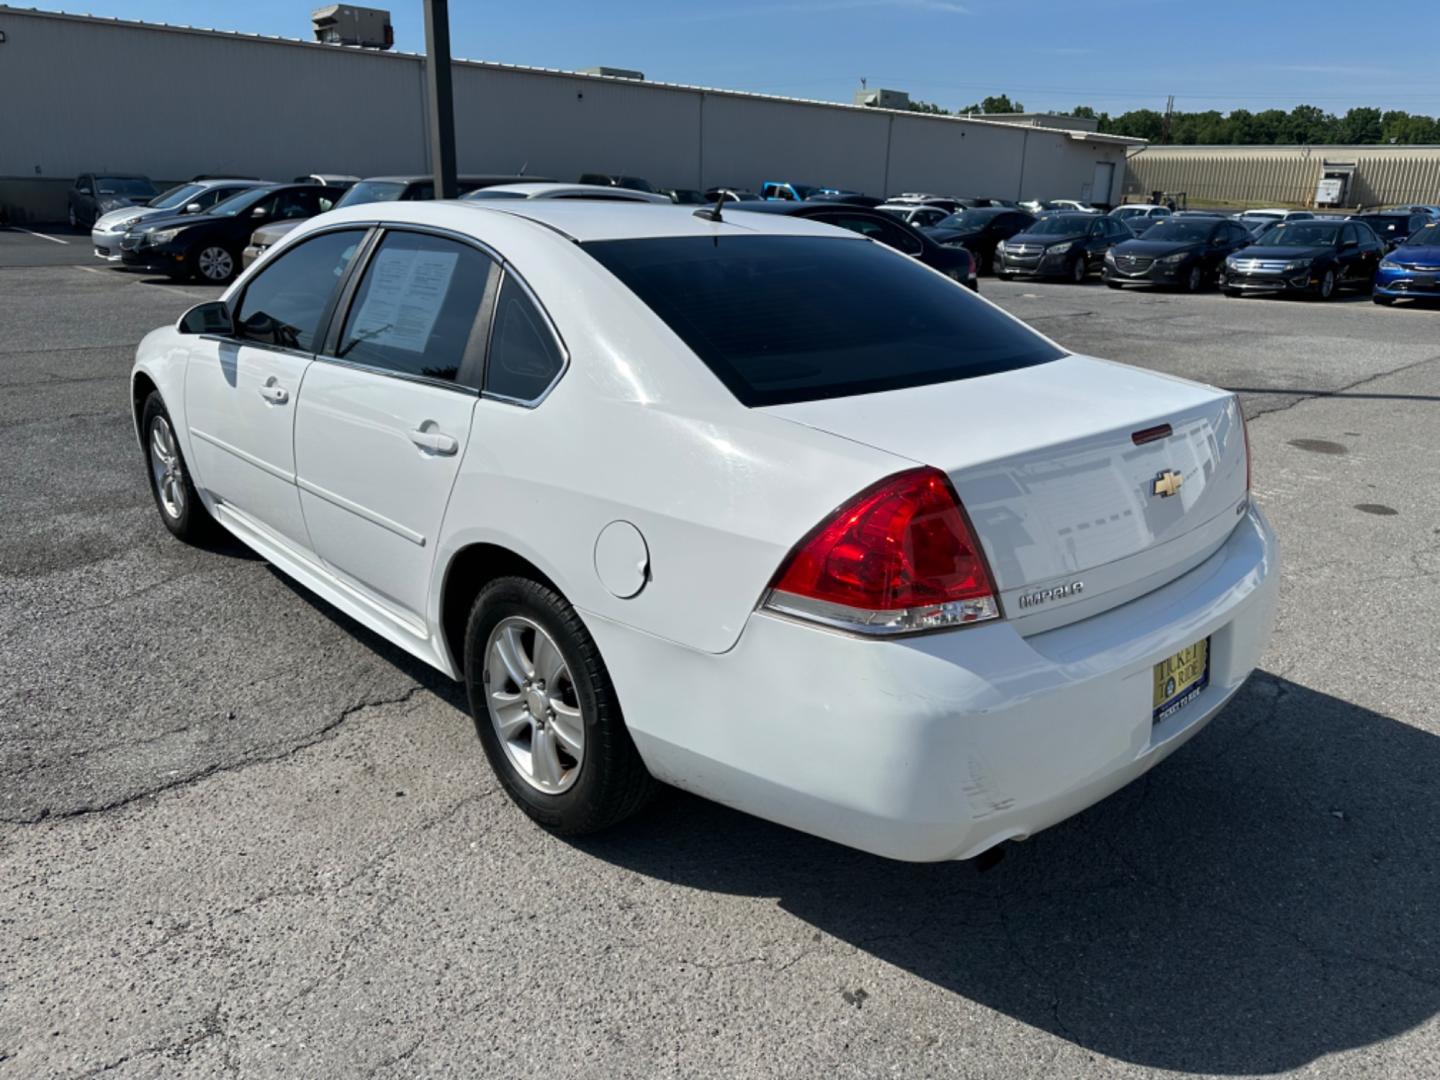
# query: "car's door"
[[385, 416], [241, 391], [1348, 254], [83, 199], [1369, 250], [1098, 240]]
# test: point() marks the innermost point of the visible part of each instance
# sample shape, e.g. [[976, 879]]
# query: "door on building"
[[1100, 186]]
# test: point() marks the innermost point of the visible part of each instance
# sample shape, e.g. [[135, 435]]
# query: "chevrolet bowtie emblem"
[[1167, 484]]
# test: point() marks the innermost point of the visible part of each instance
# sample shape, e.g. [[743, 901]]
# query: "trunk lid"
[[1075, 517]]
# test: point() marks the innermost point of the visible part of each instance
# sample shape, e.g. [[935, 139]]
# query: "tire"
[[574, 793], [1113, 284], [1195, 279], [997, 264], [214, 264], [1078, 270], [174, 492], [1326, 289], [74, 221]]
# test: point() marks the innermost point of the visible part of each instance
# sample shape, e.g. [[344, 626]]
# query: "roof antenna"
[[523, 167], [712, 213]]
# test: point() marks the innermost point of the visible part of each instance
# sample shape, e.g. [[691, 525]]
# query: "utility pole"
[[441, 99], [1169, 112]]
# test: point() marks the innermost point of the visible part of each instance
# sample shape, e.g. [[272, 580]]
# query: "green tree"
[[1359, 126], [927, 107], [1308, 125], [999, 103], [1140, 124], [1084, 112]]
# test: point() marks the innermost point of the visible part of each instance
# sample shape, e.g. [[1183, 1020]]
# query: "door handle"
[[276, 395], [435, 441]]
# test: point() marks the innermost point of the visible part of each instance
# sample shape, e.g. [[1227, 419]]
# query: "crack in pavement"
[[1303, 396], [218, 768]]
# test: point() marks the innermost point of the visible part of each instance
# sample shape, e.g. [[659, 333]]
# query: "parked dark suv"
[[1065, 246], [1187, 252]]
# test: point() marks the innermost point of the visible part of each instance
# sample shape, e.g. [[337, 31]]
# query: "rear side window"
[[416, 310], [524, 357], [780, 319], [284, 303]]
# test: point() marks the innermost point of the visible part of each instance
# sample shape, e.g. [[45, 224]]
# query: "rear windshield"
[[132, 187], [1429, 236], [780, 319], [370, 191]]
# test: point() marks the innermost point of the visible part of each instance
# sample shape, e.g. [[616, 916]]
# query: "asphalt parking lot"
[[239, 834]]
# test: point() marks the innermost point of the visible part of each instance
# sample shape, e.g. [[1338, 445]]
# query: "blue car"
[[1412, 270]]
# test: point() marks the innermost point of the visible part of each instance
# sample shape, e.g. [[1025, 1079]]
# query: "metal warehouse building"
[[1287, 175], [81, 94]]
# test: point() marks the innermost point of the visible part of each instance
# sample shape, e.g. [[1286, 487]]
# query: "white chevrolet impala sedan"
[[754, 507]]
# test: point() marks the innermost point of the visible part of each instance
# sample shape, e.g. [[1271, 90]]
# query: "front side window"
[[780, 319], [180, 195], [415, 311], [524, 358], [285, 302]]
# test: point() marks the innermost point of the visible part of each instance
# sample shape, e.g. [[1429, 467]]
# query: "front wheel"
[[997, 264], [1078, 270], [175, 497], [214, 264], [1326, 288], [1194, 279], [547, 713]]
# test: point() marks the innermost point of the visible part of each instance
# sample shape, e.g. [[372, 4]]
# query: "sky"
[[1114, 55]]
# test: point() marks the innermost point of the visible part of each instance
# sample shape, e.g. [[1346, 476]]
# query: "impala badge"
[[1166, 484]]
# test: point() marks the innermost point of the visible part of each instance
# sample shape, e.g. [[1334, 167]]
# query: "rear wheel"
[[214, 264], [546, 711]]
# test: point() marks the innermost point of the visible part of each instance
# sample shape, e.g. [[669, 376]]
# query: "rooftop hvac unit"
[[344, 24]]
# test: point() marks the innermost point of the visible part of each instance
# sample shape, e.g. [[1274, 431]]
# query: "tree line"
[[1304, 124]]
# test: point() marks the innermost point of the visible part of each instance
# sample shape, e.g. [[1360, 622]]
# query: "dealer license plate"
[[1180, 679]]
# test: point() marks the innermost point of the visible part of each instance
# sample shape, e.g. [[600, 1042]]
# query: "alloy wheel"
[[1077, 272], [1192, 282], [167, 469], [216, 264], [533, 705], [1327, 285]]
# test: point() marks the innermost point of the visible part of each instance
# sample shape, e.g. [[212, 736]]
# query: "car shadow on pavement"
[[1267, 896]]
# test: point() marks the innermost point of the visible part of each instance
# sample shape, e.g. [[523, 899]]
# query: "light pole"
[[441, 99]]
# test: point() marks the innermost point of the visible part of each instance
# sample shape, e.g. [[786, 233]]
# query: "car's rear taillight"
[[899, 557]]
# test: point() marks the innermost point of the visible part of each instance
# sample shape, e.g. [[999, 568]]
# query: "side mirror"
[[193, 208], [211, 317], [258, 212]]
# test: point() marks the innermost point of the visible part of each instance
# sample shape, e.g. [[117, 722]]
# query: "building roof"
[[1079, 136]]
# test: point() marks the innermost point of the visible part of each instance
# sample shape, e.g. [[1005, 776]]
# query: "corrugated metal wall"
[[87, 95], [1285, 175]]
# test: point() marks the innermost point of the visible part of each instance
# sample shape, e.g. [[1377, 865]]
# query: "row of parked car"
[[1392, 253], [212, 227]]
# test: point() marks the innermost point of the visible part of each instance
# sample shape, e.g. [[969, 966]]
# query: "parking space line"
[[41, 235]]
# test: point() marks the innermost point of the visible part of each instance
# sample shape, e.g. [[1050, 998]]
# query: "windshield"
[[1061, 225], [130, 187], [368, 191], [971, 219], [1132, 211], [1300, 234], [775, 317], [1180, 232], [1385, 224], [1429, 236], [178, 195], [238, 204]]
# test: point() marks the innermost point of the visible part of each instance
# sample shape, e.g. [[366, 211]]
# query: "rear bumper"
[[941, 746]]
